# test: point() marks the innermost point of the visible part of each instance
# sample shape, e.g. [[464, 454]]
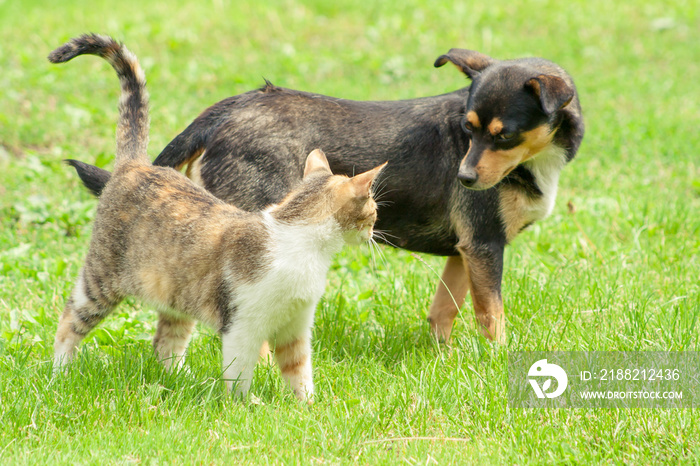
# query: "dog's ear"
[[316, 161], [554, 93], [470, 62]]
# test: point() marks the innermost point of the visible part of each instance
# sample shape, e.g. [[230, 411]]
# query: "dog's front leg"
[[449, 297], [484, 263]]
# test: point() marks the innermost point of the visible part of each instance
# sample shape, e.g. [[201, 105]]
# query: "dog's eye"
[[505, 136], [465, 128]]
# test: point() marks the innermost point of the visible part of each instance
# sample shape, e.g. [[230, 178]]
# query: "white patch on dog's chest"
[[517, 209], [546, 168]]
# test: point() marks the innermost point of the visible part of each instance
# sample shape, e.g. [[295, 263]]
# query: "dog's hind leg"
[[449, 297]]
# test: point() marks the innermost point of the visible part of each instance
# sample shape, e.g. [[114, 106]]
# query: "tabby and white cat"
[[253, 276]]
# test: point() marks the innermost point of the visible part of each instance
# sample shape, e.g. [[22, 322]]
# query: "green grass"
[[621, 273]]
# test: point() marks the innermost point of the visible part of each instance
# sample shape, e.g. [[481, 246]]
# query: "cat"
[[253, 276]]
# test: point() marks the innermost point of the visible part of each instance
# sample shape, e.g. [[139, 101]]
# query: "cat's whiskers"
[[382, 235], [378, 189], [376, 252], [381, 193]]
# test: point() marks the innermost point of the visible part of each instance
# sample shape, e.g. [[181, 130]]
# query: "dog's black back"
[[254, 158]]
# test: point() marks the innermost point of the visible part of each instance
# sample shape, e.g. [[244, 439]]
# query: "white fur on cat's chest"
[[294, 279]]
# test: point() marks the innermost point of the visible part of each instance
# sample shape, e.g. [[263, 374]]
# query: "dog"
[[467, 171]]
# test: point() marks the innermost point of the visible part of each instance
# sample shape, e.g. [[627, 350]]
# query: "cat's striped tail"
[[132, 128]]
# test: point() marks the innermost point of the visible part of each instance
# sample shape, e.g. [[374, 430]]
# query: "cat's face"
[[323, 196], [356, 212], [351, 198]]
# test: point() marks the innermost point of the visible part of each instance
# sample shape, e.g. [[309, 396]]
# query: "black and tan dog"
[[518, 123]]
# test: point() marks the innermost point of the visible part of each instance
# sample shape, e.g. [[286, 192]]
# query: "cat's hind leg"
[[88, 304], [171, 339]]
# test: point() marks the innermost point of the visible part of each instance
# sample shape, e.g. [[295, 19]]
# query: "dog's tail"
[[191, 143], [93, 178], [132, 128]]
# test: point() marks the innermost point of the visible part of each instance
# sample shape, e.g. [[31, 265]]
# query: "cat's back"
[[140, 185], [171, 242], [146, 208]]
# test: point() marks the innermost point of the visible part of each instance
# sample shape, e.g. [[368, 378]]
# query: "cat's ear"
[[316, 161], [362, 183]]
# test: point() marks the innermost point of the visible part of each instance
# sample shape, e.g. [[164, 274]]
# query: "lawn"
[[615, 267]]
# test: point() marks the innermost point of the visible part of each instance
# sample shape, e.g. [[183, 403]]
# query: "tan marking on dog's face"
[[495, 127], [473, 119], [496, 164]]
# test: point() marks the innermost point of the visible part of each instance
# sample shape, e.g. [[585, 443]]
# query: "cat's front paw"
[[60, 363], [238, 387], [305, 394]]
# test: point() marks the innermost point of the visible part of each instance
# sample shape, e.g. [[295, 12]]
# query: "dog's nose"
[[468, 179]]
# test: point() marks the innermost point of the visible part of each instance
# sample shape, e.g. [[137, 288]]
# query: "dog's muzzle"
[[468, 178]]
